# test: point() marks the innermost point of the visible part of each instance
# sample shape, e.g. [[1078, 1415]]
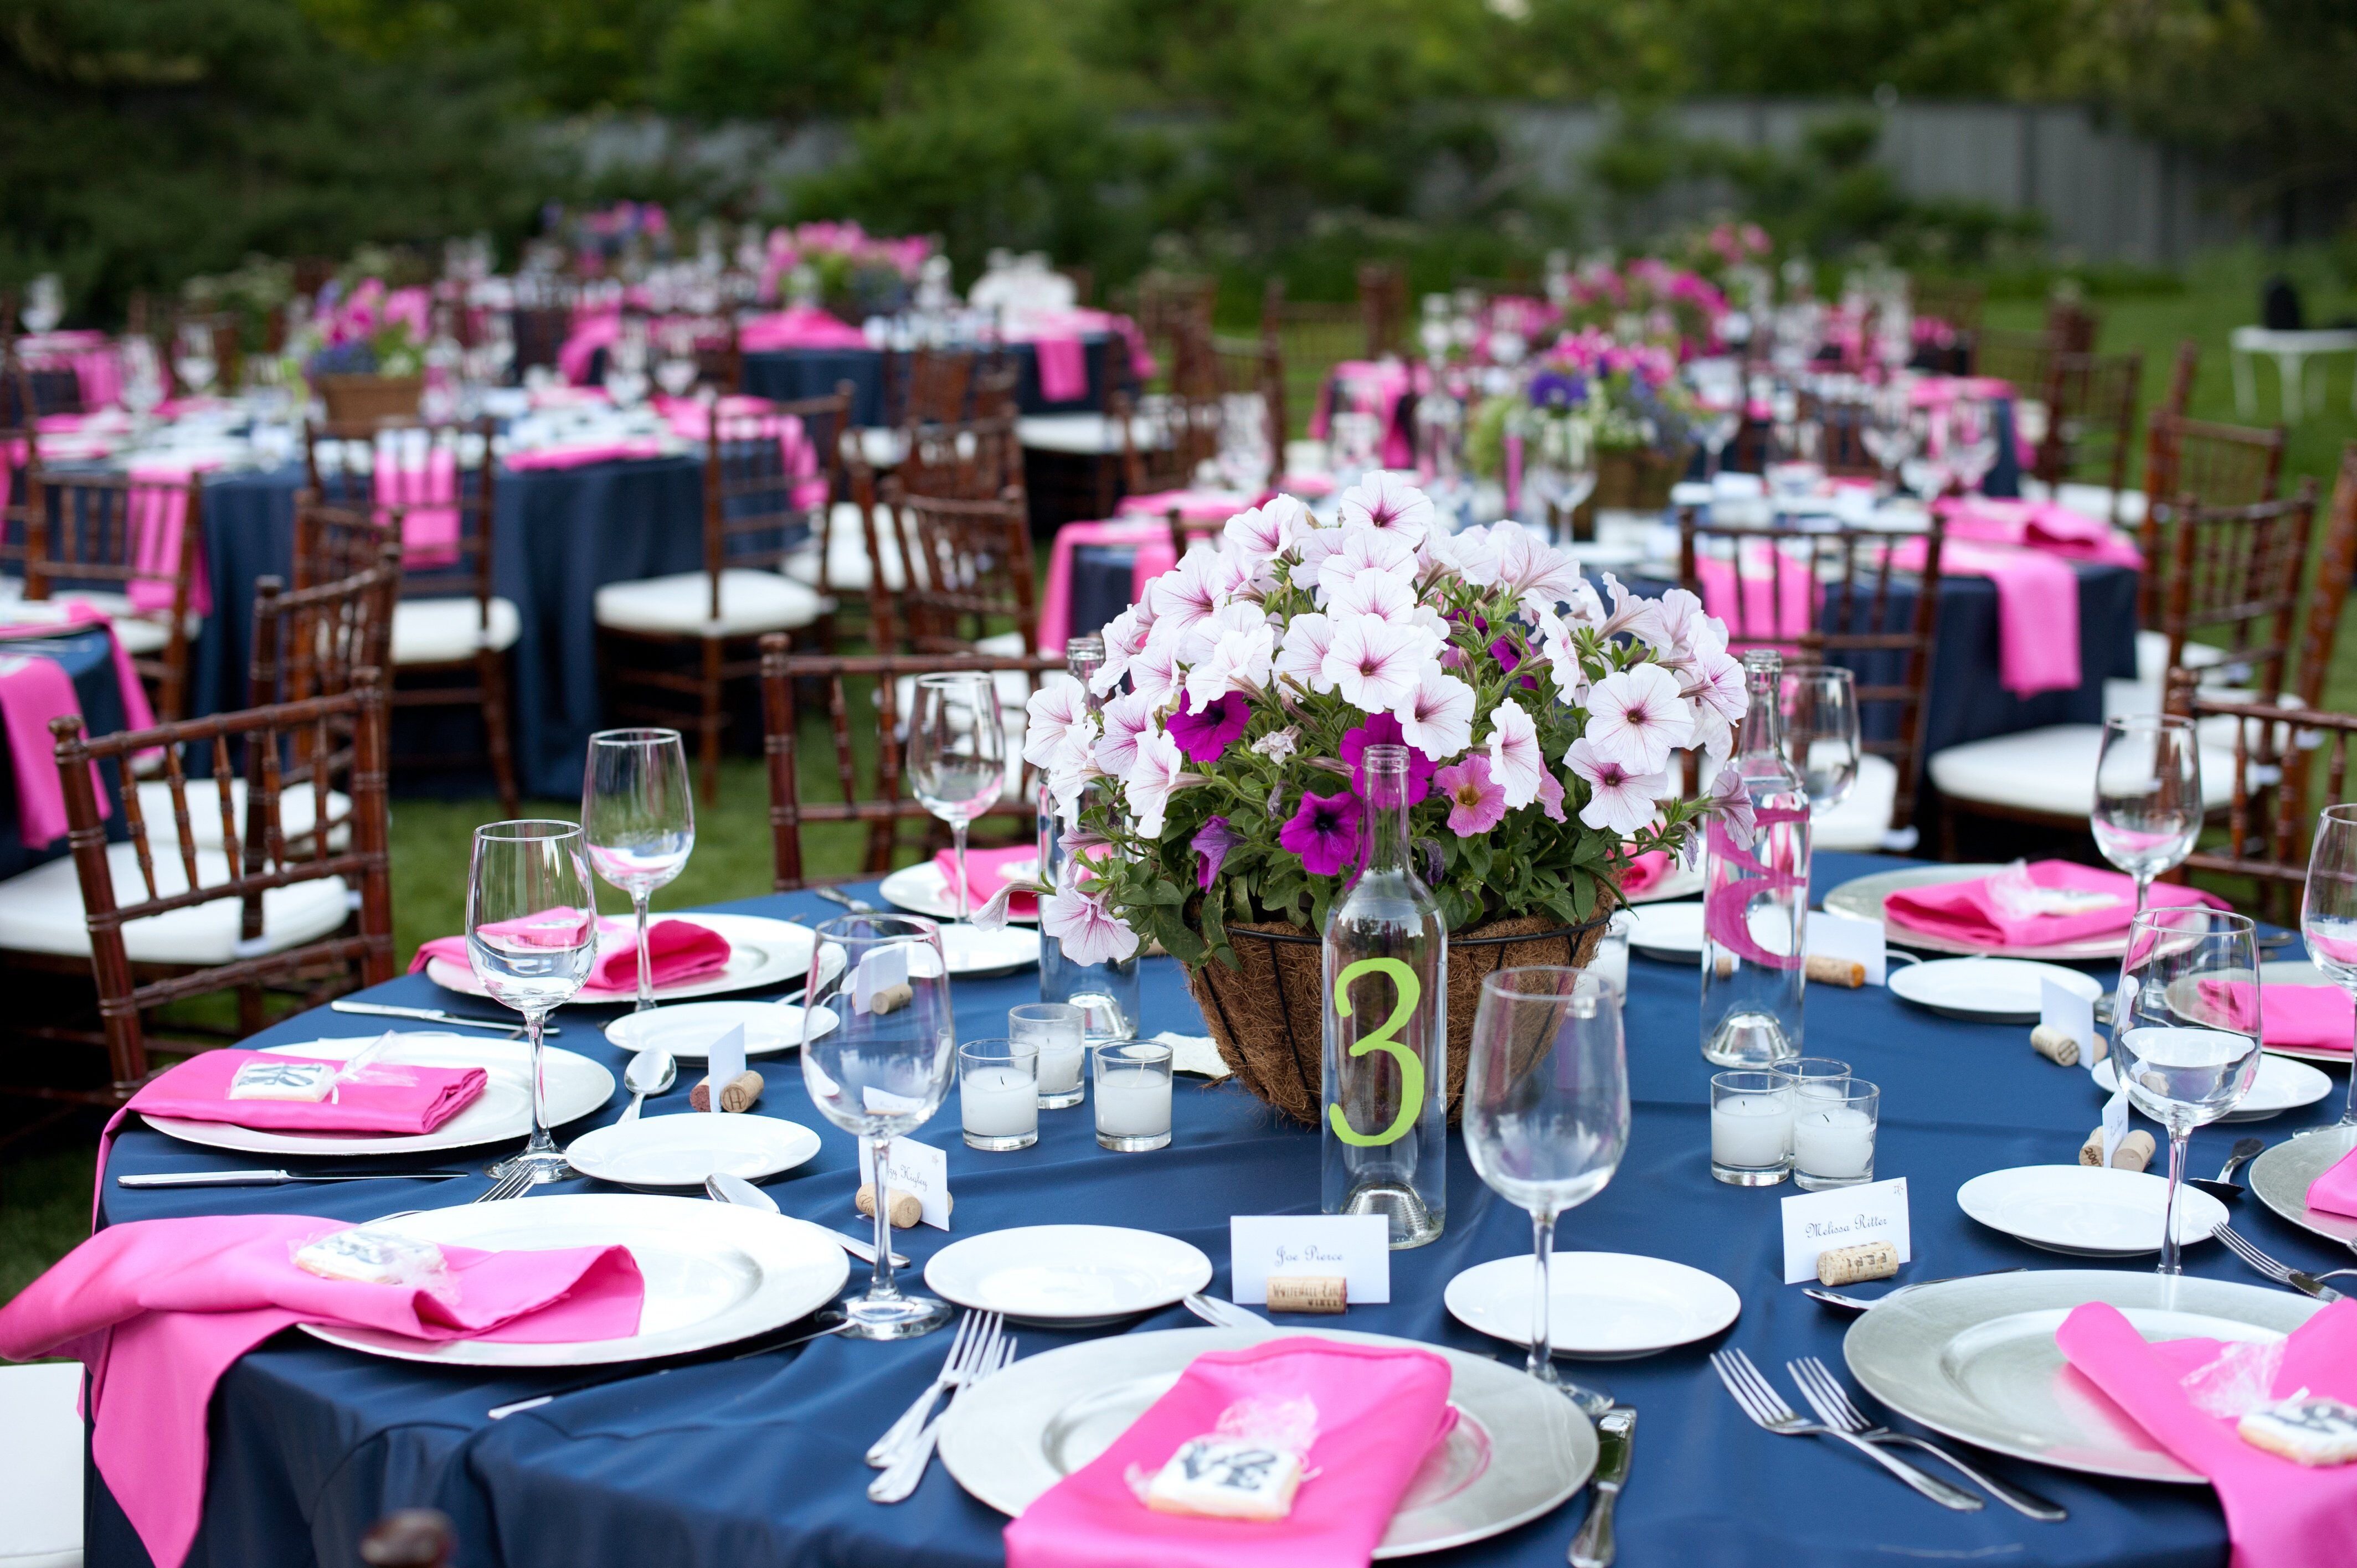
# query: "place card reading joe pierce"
[[1355, 1248], [1817, 1222]]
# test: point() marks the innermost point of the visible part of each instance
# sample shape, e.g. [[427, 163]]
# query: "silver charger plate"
[[2282, 1175], [921, 890], [1863, 896], [1520, 1448], [1976, 1360], [761, 952], [716, 1274]]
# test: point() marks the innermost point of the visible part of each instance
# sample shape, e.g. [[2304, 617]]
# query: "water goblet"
[[2327, 914], [637, 816], [2147, 809], [1820, 730], [957, 757], [531, 939]]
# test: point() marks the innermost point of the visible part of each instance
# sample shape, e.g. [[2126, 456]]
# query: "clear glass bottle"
[[1385, 1133], [1756, 899], [1107, 994]]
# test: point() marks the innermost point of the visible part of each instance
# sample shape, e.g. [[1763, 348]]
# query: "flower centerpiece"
[[366, 349], [1218, 802], [1589, 404], [852, 272]]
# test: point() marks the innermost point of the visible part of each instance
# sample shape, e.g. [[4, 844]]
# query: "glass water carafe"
[[1756, 897], [1107, 994], [1385, 1130]]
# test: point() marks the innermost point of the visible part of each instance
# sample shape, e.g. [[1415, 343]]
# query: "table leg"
[[2245, 395], [2291, 372]]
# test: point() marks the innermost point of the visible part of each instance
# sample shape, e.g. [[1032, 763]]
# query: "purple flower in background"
[[1324, 833], [1211, 841], [1206, 736], [1554, 389], [1383, 729]]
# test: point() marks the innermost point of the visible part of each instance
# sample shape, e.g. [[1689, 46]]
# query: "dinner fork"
[[2282, 1273], [1769, 1412], [908, 1468], [977, 1340], [509, 1186], [1834, 1408]]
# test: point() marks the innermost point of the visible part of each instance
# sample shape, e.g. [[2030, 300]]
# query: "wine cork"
[[1723, 966], [738, 1094], [1847, 1266], [2133, 1153], [1827, 970], [907, 1208], [1308, 1293], [890, 999], [2055, 1046]]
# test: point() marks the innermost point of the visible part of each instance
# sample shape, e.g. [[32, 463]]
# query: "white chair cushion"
[[2152, 657], [140, 632], [443, 631], [1083, 434], [2051, 770], [1862, 822], [2095, 500], [296, 805], [40, 911], [40, 1465], [848, 569], [750, 602]]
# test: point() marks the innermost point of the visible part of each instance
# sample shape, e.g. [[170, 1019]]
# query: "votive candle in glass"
[[1833, 1134], [1054, 1028], [998, 1094], [1750, 1128], [1133, 1096]]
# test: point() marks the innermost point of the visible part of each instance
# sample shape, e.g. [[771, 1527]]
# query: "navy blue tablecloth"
[[757, 1461], [88, 660], [786, 373]]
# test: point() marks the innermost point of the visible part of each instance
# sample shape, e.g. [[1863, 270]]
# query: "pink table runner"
[[1369, 386], [2037, 609], [798, 327], [1155, 557], [2043, 525]]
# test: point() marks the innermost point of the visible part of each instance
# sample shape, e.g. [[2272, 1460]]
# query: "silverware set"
[[981, 1348], [2223, 1187], [434, 1015], [1834, 1408], [515, 1183], [2282, 1273]]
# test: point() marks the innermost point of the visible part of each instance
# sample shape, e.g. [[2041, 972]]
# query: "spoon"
[[2223, 1187], [652, 1071]]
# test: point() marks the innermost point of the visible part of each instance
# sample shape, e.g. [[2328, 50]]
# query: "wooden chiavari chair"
[[2090, 403], [2213, 464], [1832, 432], [2179, 396], [971, 587], [540, 331], [975, 459], [126, 545], [1252, 393], [867, 694]]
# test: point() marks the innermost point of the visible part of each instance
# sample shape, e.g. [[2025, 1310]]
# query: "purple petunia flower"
[[1206, 736], [1383, 729], [1211, 841], [1324, 833]]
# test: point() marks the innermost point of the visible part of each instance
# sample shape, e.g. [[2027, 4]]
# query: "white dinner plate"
[[687, 1029], [1601, 1307], [2089, 1211], [1863, 896], [761, 952], [975, 953], [2282, 1085], [714, 1273], [921, 890], [1068, 1273], [576, 1086], [1985, 990], [1672, 932], [1681, 882], [683, 1148]]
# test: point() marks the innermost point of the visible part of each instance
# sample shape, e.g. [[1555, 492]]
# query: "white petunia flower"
[[1437, 718], [1515, 760], [1619, 800], [1374, 592], [1154, 672], [1358, 550], [1239, 661], [1539, 575], [1636, 718], [1126, 718], [1053, 710], [1389, 504], [1269, 529], [1124, 636], [1303, 654], [1085, 926], [1374, 664], [1186, 594], [1277, 744], [1151, 779]]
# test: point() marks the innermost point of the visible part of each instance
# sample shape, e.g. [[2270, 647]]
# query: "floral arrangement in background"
[[854, 273], [367, 329], [1718, 248], [1587, 393], [1647, 300], [1226, 783]]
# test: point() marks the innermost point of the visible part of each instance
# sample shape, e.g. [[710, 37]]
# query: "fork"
[[977, 1340], [908, 1468], [1769, 1412], [1835, 1409], [508, 1186], [2282, 1273]]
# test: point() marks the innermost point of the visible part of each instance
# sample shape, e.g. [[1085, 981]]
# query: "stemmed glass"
[[44, 304], [1546, 1115], [639, 817], [1971, 442], [194, 362], [1820, 730], [2148, 808], [957, 755], [531, 939], [2328, 912], [879, 1072], [143, 377], [2186, 1036]]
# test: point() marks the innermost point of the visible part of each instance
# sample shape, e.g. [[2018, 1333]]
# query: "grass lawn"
[[44, 1195]]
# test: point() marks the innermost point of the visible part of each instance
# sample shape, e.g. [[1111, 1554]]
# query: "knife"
[[432, 1016], [271, 1178], [1615, 1434]]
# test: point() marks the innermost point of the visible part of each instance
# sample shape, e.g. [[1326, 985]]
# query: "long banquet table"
[[733, 1465]]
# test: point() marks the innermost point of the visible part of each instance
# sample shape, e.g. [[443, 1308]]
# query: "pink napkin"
[[429, 532], [137, 713], [1371, 386], [581, 456], [579, 350], [798, 327], [2044, 525], [1644, 872], [2037, 609], [1937, 391], [1968, 912], [1792, 588], [158, 1309], [1152, 539], [33, 690], [2307, 1017], [159, 517], [2335, 1191], [2279, 1514], [986, 873], [1063, 369], [678, 951], [1194, 505], [408, 1101], [1379, 1413]]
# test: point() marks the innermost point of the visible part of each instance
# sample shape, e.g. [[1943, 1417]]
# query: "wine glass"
[[2147, 796], [2327, 911], [2185, 1040], [44, 304], [531, 939], [1972, 442], [881, 1071], [194, 362], [1820, 730], [1546, 1115], [957, 755], [143, 377], [638, 818]]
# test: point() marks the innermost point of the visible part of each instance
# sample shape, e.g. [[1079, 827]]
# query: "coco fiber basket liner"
[[1265, 1015]]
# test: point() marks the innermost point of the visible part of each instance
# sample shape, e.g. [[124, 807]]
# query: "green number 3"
[[1408, 990]]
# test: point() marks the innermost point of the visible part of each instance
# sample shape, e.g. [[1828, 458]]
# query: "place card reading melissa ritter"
[[1815, 1222]]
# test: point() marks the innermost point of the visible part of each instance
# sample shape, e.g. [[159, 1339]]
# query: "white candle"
[[1132, 1102], [1833, 1142], [1610, 963], [1060, 1069], [1750, 1132], [998, 1102]]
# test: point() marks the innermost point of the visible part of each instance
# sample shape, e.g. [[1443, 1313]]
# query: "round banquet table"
[[739, 1464], [790, 374]]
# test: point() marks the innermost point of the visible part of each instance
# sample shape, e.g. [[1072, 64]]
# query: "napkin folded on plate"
[[2306, 1017], [158, 1309], [678, 951], [2335, 1191], [986, 873], [1381, 1410], [1976, 912], [2278, 1514], [384, 1097], [1645, 873]]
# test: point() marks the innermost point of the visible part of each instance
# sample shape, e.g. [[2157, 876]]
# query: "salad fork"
[[977, 1340], [1835, 1409], [1769, 1412], [896, 1484], [2282, 1273]]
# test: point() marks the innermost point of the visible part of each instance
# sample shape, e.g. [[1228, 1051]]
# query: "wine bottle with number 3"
[[1386, 1014]]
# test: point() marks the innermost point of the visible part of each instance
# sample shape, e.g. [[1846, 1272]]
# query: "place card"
[[1832, 934], [2115, 1119], [1356, 1247], [727, 1061], [881, 969], [917, 1167], [1816, 1222], [2061, 1009]]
